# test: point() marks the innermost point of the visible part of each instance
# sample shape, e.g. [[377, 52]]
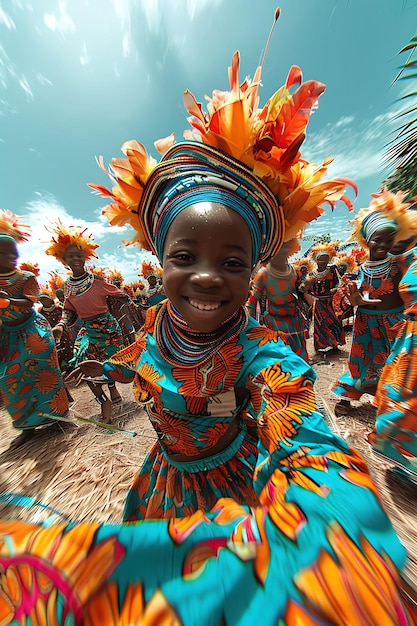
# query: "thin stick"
[[85, 420]]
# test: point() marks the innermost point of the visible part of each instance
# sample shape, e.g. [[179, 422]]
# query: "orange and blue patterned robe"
[[283, 311], [374, 331], [396, 396], [328, 329], [315, 538], [30, 377]]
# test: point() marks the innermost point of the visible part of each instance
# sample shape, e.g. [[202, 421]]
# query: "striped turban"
[[191, 172], [376, 220]]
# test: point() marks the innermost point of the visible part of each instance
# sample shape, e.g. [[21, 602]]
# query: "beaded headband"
[[386, 210]]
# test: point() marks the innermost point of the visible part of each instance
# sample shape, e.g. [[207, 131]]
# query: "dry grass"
[[79, 469]]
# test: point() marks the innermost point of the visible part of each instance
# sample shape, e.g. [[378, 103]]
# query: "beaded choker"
[[277, 274], [377, 269], [322, 273], [77, 285], [6, 279], [181, 345]]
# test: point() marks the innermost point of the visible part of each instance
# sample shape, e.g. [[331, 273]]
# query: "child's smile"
[[207, 264]]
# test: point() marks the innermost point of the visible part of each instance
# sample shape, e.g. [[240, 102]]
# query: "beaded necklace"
[[277, 274], [181, 345], [322, 273], [6, 279], [77, 285], [377, 269], [12, 282]]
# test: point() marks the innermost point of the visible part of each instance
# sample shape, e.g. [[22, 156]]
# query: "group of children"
[[250, 507]]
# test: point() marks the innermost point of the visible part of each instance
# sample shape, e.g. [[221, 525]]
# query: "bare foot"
[[115, 395], [106, 411], [342, 408]]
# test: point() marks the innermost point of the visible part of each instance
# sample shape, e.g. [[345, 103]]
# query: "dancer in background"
[[86, 298], [276, 287], [322, 284], [31, 382], [125, 311], [270, 513], [348, 270], [395, 433], [379, 304]]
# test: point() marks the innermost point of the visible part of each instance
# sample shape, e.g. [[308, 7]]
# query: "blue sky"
[[80, 77]]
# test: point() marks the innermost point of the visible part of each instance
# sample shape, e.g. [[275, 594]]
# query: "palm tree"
[[402, 153]]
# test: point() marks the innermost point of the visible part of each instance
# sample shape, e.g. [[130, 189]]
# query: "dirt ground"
[[84, 472]]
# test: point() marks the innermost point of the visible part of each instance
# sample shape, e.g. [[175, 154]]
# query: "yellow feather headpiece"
[[348, 261], [303, 262], [264, 140], [325, 247], [30, 267], [10, 225], [65, 236], [56, 281], [387, 207]]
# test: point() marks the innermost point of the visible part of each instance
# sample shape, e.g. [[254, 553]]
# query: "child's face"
[[322, 261], [380, 244], [45, 300], [74, 258], [8, 256], [207, 264]]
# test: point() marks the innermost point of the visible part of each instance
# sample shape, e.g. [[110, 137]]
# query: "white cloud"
[[26, 87], [60, 21], [84, 58], [44, 210], [171, 20], [7, 20], [357, 148]]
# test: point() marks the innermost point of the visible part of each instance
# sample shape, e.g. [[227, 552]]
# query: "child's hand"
[[356, 298]]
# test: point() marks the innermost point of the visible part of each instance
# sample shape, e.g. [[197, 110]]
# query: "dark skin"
[[75, 260], [207, 265], [322, 262], [280, 261], [380, 244], [8, 262]]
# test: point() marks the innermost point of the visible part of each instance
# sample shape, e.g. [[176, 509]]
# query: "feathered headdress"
[[115, 275], [295, 245], [386, 209], [10, 225], [65, 236], [103, 272], [348, 261], [303, 262], [30, 267], [56, 281], [264, 141], [325, 247], [148, 268]]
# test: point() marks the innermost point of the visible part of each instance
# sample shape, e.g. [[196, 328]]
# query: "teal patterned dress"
[[396, 396], [374, 331], [30, 377], [313, 545]]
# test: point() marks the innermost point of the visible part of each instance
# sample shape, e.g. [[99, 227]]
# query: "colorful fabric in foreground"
[[291, 564], [297, 556]]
